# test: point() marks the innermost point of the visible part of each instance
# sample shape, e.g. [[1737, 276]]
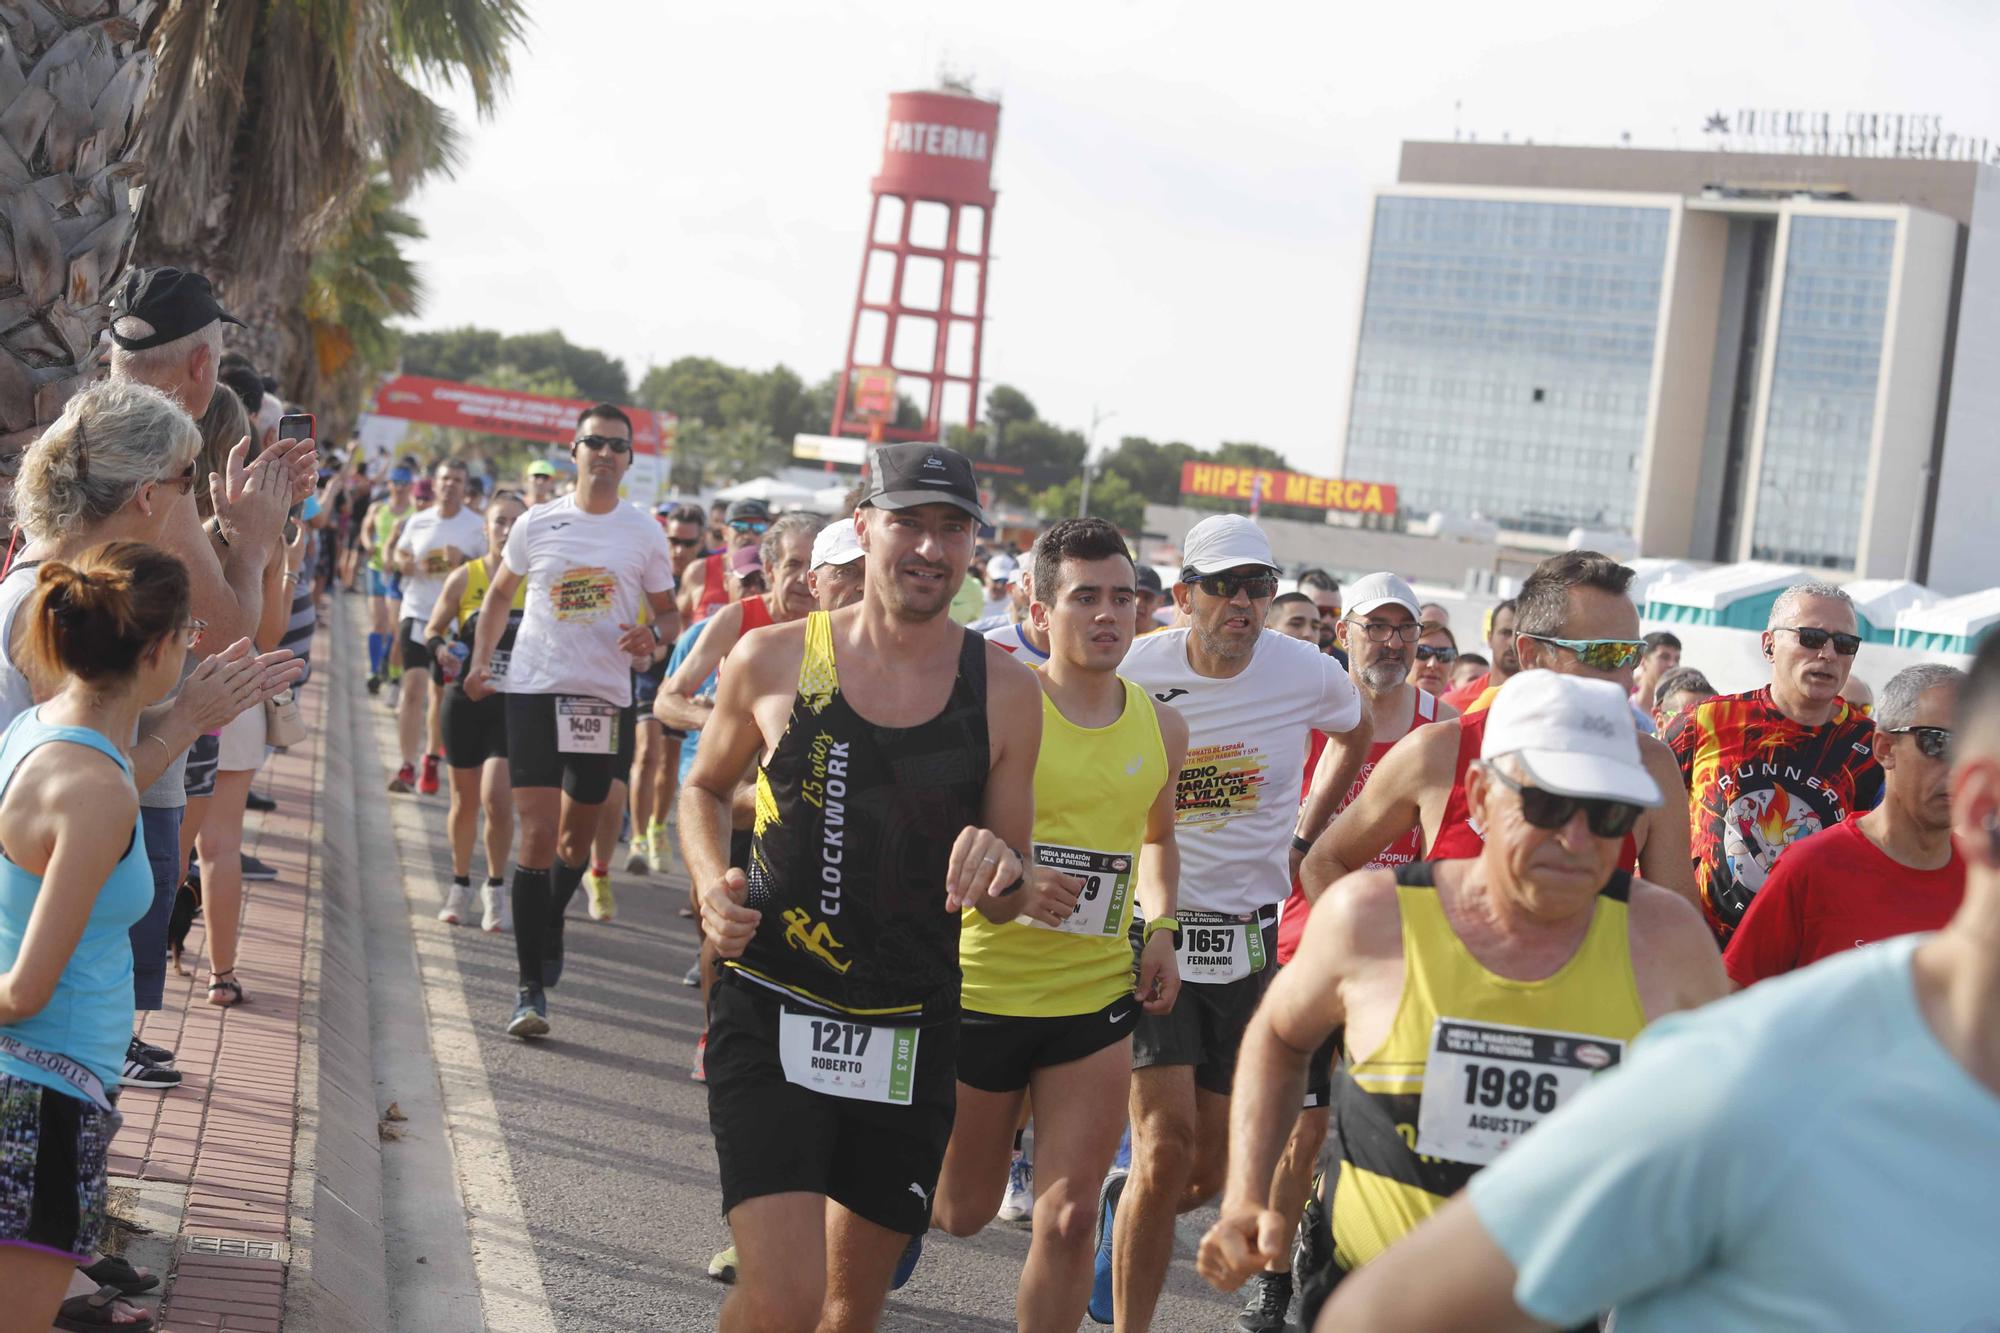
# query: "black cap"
[[747, 509], [174, 303], [1149, 578], [902, 476]]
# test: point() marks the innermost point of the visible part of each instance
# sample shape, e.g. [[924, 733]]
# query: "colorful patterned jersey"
[[1758, 782]]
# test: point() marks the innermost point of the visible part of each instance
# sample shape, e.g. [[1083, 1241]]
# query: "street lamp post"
[[1097, 419]]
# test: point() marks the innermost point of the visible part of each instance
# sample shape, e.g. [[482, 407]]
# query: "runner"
[[1431, 661], [543, 481], [836, 574], [656, 758], [707, 588], [1781, 762], [1678, 691], [1380, 620], [588, 560], [1050, 1000], [1293, 615], [1250, 697], [384, 596], [1788, 1182], [1017, 634], [1574, 619], [475, 730], [897, 774], [433, 542], [1472, 997], [1504, 657]]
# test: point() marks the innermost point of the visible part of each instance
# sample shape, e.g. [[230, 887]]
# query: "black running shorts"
[[878, 1161], [997, 1052], [533, 759], [1205, 1028], [475, 730], [417, 655]]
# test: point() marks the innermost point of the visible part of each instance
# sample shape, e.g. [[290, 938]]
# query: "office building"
[[1729, 356]]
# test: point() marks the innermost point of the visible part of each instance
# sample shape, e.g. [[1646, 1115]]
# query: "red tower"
[[920, 311]]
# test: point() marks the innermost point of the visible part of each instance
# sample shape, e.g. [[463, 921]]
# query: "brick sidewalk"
[[227, 1132]]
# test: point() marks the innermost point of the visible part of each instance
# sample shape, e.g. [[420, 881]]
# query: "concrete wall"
[[1683, 355], [1345, 551], [1965, 539]]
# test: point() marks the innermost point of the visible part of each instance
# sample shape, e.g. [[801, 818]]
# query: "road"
[[587, 1196]]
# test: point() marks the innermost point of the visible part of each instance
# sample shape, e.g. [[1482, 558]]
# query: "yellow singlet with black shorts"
[[475, 730], [1037, 995], [1472, 1061]]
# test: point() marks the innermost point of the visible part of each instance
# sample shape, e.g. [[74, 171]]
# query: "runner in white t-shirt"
[[590, 562], [1251, 698], [431, 543]]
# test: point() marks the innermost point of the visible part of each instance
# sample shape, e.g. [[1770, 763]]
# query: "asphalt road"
[[585, 1168]]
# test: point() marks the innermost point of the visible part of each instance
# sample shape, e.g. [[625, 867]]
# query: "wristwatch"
[[1165, 923]]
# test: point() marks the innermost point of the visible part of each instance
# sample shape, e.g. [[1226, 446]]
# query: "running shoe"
[[497, 914], [152, 1055], [1100, 1309], [374, 684], [457, 904], [428, 784], [639, 862], [1312, 1251], [1270, 1297], [1019, 1203], [263, 805], [700, 1071], [693, 976], [405, 779], [907, 1265], [723, 1266], [253, 869], [603, 906], [531, 1014], [663, 848], [145, 1074]]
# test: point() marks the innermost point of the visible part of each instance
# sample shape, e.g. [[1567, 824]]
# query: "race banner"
[[1267, 486], [509, 412]]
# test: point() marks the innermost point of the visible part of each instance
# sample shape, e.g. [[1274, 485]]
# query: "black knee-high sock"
[[531, 921], [564, 879]]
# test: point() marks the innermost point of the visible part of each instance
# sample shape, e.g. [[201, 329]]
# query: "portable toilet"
[[1877, 603], [1956, 625], [1732, 596], [1649, 570]]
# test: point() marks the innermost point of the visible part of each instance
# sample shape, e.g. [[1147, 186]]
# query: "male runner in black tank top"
[[897, 776]]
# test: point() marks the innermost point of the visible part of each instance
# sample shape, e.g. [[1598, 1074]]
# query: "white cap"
[[1373, 590], [1571, 735], [1001, 568], [836, 544], [1225, 541]]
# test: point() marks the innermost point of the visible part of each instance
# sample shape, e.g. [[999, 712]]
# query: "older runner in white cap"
[[836, 573]]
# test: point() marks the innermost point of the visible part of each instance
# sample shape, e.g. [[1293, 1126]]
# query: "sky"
[[1179, 243]]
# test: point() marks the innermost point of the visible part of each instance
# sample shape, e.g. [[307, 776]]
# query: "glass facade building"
[[1506, 355]]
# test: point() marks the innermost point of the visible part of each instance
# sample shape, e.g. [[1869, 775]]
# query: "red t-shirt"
[[1833, 891], [1469, 691]]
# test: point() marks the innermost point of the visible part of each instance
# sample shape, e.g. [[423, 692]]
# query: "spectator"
[[1781, 762], [1436, 653], [1505, 661], [1675, 693], [1889, 872]]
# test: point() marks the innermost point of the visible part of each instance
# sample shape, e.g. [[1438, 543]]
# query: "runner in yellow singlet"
[[1049, 999]]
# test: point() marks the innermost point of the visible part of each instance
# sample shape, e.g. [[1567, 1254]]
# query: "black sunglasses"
[[1552, 810], [616, 444], [683, 541], [1932, 742], [1424, 652], [1812, 640], [1228, 585]]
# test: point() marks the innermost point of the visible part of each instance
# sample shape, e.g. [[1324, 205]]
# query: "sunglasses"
[[185, 479], [616, 444], [1932, 742], [1552, 810], [1426, 653], [1228, 585], [1598, 654], [749, 524], [1812, 640], [1379, 632], [193, 631], [683, 541]]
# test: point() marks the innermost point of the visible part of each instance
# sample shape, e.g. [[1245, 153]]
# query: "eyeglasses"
[[1932, 742], [616, 444], [193, 630], [1597, 654], [749, 524], [1381, 632], [185, 480], [1228, 585], [683, 541], [1812, 640], [1426, 653], [1552, 810]]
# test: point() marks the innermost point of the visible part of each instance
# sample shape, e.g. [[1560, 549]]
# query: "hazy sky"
[[1184, 187]]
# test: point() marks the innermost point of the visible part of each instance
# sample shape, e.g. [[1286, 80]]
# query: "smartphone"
[[296, 426]]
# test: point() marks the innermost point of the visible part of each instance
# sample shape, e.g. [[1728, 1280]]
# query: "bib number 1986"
[[1487, 1084], [844, 1058]]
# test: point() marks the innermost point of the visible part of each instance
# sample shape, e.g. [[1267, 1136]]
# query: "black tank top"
[[854, 828]]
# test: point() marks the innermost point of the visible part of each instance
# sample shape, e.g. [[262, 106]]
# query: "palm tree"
[[73, 76], [357, 284]]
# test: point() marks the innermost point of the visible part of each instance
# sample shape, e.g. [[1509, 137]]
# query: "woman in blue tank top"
[[106, 633]]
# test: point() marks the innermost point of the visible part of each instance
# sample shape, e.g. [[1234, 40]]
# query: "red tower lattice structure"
[[920, 309]]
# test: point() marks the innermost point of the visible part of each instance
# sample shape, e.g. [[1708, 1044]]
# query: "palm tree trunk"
[[72, 79]]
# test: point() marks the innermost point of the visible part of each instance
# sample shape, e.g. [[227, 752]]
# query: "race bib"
[[1217, 947], [586, 726], [844, 1058], [582, 595], [435, 562], [1107, 883], [1487, 1084], [496, 665]]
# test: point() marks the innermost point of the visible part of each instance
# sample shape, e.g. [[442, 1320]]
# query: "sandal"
[[226, 984], [99, 1310], [115, 1271]]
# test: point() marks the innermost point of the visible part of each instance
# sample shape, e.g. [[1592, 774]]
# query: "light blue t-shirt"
[[682, 647], [1803, 1155]]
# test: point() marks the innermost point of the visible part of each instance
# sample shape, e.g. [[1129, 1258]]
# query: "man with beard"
[[1474, 694]]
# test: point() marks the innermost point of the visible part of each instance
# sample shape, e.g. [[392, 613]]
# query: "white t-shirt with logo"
[[428, 531], [1236, 799], [1009, 636], [587, 575]]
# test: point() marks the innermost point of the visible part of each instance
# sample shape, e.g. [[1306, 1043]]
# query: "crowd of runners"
[[1042, 885]]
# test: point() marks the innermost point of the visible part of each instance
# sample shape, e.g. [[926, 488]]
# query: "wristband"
[[435, 642], [1169, 924], [1301, 843], [653, 628]]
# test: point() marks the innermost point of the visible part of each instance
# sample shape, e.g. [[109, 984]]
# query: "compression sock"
[[531, 921], [564, 881], [378, 649]]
